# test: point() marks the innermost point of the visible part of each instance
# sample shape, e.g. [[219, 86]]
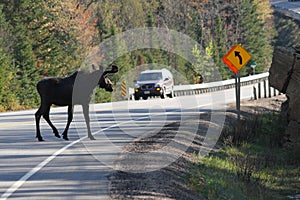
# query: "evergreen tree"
[[205, 65], [288, 28], [150, 20], [132, 15], [51, 38], [218, 48], [7, 98], [253, 36], [24, 56], [101, 26]]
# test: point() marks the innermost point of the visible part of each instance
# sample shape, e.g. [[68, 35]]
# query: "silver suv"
[[154, 83]]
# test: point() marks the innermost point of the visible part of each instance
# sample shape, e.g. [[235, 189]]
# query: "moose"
[[69, 91]]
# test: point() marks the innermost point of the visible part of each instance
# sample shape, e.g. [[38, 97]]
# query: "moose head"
[[105, 82]]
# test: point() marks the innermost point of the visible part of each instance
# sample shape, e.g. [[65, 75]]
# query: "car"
[[152, 83]]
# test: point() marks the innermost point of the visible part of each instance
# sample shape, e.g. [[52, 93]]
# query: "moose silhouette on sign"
[[60, 92]]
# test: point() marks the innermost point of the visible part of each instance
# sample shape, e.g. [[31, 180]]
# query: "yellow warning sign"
[[237, 58]]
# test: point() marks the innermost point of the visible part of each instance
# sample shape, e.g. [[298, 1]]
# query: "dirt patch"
[[257, 106], [171, 182]]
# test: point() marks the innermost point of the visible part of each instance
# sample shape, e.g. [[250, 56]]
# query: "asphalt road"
[[78, 168], [291, 9], [293, 5]]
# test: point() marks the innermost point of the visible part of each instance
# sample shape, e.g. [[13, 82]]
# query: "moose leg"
[[70, 118], [87, 120], [47, 118], [38, 115]]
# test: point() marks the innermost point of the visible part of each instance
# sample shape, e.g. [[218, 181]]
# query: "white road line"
[[37, 168]]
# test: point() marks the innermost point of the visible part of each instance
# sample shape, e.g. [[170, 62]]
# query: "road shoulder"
[[171, 182]]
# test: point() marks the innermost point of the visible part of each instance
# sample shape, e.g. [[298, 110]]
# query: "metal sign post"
[[238, 94], [236, 58]]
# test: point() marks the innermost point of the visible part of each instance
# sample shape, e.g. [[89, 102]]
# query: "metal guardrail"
[[183, 90], [261, 86]]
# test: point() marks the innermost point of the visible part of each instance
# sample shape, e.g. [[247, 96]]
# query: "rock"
[[292, 135], [285, 76], [285, 109], [294, 107], [297, 48], [281, 67], [294, 80], [293, 91]]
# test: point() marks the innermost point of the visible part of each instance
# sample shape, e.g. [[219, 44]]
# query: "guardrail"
[[261, 86]]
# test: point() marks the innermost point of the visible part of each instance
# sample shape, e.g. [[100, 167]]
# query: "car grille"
[[147, 87]]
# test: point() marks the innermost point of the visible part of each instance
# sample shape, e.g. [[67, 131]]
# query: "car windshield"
[[150, 76]]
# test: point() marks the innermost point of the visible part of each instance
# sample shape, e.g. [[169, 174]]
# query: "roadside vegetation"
[[251, 162], [41, 38]]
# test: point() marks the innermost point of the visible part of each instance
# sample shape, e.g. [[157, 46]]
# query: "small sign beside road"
[[236, 58]]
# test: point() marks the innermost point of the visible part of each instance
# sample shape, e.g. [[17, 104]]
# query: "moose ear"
[[114, 69]]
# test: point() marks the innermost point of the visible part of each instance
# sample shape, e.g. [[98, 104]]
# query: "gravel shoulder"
[[171, 182]]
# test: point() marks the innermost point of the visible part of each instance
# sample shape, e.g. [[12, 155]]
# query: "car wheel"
[[163, 95], [145, 97], [171, 95], [136, 97]]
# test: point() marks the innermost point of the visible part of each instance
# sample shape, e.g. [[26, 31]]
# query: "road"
[[79, 168], [291, 9]]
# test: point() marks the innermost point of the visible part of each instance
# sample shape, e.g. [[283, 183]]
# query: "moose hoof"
[[65, 137], [92, 137], [56, 135]]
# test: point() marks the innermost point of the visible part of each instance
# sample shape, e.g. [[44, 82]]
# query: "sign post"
[[238, 93], [236, 58]]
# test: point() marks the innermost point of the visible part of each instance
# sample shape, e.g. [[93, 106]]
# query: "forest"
[[40, 38]]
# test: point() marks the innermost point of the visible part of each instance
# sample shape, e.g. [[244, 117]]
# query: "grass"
[[252, 163]]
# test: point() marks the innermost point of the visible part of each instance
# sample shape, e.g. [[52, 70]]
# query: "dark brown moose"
[[60, 92]]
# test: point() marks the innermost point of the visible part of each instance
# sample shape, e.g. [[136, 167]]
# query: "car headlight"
[[157, 87]]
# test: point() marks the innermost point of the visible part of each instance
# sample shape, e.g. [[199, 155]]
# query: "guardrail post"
[[269, 88], [254, 93], [259, 90], [265, 89]]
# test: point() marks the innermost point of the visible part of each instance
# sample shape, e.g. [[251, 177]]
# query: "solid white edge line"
[[37, 168]]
